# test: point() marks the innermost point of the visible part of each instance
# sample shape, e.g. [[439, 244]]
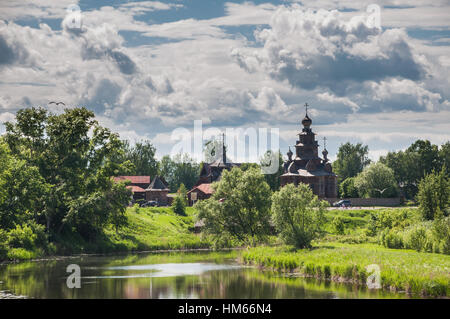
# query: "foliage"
[[338, 225], [415, 272], [298, 214], [269, 159], [376, 180], [434, 194], [239, 207], [142, 156], [347, 188], [76, 158], [351, 159], [182, 169], [22, 190], [179, 205], [418, 160]]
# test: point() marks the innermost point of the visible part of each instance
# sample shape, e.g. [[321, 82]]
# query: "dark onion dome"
[[325, 152], [306, 121], [289, 153]]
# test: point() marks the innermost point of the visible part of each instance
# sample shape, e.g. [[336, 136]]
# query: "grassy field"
[[402, 270], [150, 228]]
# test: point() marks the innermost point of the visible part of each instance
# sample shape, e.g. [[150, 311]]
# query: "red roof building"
[[138, 185], [199, 192]]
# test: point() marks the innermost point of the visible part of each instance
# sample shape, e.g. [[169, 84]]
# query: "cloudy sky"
[[148, 67]]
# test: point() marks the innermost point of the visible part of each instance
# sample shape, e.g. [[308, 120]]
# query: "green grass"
[[156, 228], [403, 270], [150, 228]]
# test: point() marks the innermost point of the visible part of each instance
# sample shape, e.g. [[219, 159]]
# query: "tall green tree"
[[22, 191], [351, 160], [376, 180], [434, 194], [76, 157], [239, 207], [182, 169], [347, 188], [444, 156], [298, 214], [411, 165], [142, 155]]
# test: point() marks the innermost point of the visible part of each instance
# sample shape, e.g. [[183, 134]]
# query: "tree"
[[444, 155], [182, 169], [76, 157], [179, 205], [272, 158], [405, 168], [428, 156], [298, 214], [142, 155], [239, 207], [22, 191], [347, 188], [351, 160], [376, 180], [411, 165], [434, 194]]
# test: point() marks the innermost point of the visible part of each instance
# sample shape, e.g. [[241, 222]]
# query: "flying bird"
[[381, 190], [57, 103]]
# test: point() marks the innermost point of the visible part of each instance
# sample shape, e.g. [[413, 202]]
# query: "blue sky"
[[149, 67]]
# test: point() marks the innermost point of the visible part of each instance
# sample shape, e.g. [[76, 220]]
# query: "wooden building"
[[210, 172], [157, 191], [138, 185], [305, 166]]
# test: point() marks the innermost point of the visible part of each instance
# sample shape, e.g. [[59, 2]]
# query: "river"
[[167, 275]]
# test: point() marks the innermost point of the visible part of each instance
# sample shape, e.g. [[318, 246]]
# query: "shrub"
[[418, 237], [179, 205], [441, 233], [21, 237], [338, 225], [28, 236], [391, 239], [298, 214]]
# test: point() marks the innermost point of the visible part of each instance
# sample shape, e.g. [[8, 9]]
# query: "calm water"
[[168, 275]]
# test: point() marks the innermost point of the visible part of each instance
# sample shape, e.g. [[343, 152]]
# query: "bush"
[[28, 236], [418, 237], [338, 225], [391, 239], [298, 215], [179, 205], [441, 233], [21, 237]]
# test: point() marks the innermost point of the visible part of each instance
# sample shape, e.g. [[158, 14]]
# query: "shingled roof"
[[158, 184], [133, 179]]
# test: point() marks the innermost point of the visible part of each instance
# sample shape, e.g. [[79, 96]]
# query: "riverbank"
[[416, 273], [147, 229]]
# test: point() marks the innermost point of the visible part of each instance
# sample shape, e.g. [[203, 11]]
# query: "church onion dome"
[[325, 152], [289, 153], [306, 121]]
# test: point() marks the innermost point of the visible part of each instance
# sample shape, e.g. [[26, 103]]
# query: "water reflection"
[[169, 275]]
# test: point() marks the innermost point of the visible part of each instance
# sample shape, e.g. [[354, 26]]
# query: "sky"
[[375, 72]]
